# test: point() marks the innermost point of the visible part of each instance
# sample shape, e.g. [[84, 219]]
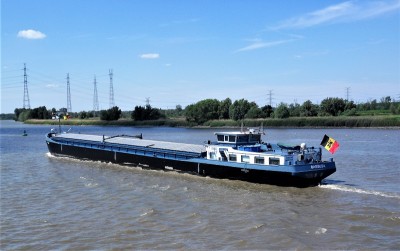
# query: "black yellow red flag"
[[330, 144]]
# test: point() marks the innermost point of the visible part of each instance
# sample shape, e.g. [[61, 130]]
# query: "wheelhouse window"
[[226, 138], [274, 161], [245, 158], [213, 155], [255, 137], [259, 160], [232, 157], [243, 139]]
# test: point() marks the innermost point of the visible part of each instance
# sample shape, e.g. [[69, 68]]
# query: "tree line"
[[114, 113], [213, 109]]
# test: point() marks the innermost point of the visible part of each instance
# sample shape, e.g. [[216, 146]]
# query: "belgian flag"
[[330, 144]]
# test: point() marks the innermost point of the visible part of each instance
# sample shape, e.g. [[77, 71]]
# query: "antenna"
[[69, 108], [112, 104], [27, 104], [95, 97]]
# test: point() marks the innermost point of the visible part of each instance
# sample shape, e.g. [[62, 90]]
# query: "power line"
[[27, 104]]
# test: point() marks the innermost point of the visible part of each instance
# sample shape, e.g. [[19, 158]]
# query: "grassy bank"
[[360, 121], [357, 121]]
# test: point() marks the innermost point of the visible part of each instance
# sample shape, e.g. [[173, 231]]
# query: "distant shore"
[[293, 122]]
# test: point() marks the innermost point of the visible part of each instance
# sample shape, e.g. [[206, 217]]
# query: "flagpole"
[[59, 125]]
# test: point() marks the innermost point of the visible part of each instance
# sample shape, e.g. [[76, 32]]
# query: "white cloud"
[[260, 44], [343, 12], [31, 34], [150, 56]]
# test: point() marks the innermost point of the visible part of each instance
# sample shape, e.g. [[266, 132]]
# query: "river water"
[[61, 203]]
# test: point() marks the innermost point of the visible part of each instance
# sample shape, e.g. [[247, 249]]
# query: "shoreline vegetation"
[[386, 121], [213, 113]]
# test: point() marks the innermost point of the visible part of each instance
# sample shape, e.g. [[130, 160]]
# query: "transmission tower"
[[69, 107], [147, 101], [270, 97], [112, 104], [95, 97], [347, 93], [27, 104]]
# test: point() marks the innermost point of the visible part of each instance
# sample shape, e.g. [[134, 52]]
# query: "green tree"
[[373, 105], [202, 111], [22, 114], [254, 113], [395, 109], [294, 110], [308, 109], [178, 111], [104, 115], [282, 111], [267, 111], [351, 112], [238, 109], [113, 113], [7, 116], [17, 112], [190, 113], [385, 102], [332, 106], [223, 109], [170, 113], [138, 113], [145, 113], [350, 105], [83, 115]]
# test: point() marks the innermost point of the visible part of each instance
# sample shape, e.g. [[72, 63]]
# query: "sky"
[[173, 52]]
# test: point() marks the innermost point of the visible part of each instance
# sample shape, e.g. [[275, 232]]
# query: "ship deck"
[[131, 141]]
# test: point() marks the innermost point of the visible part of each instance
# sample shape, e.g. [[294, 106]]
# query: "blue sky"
[[180, 52]]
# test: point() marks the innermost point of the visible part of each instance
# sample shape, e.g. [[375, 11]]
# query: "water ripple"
[[360, 191], [53, 203]]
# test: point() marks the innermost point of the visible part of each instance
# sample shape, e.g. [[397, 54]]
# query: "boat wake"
[[359, 191], [48, 154]]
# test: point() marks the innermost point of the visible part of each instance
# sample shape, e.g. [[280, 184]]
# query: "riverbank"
[[294, 122]]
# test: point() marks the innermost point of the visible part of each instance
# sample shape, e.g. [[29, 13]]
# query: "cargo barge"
[[240, 155]]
